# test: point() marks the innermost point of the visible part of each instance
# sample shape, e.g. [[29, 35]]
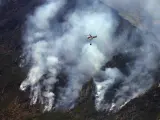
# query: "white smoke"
[[53, 45], [146, 11]]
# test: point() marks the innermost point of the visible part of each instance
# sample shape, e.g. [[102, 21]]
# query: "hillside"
[[14, 104]]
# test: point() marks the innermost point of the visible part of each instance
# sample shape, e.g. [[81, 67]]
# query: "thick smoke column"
[[55, 42]]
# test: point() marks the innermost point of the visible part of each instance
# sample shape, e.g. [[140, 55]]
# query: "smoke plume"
[[56, 42]]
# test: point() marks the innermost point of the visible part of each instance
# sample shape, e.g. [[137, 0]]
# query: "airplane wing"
[[89, 36], [94, 36]]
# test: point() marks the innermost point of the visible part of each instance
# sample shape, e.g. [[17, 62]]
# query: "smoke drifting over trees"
[[55, 41]]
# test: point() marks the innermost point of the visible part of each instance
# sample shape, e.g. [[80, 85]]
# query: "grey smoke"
[[56, 40], [4, 2]]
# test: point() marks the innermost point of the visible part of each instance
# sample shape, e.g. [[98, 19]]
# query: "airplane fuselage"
[[91, 37]]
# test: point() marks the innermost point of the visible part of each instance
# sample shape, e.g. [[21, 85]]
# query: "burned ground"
[[14, 104]]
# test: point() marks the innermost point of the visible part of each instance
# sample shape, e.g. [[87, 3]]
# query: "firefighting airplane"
[[90, 37]]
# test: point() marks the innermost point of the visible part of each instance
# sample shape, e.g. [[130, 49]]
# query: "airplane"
[[90, 37]]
